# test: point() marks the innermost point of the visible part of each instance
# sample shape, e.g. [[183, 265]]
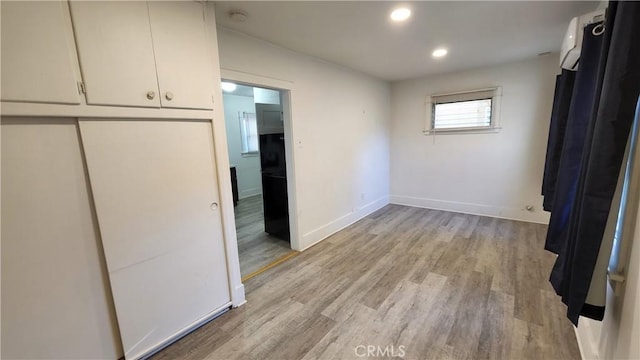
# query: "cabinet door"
[[185, 69], [269, 119], [155, 190], [116, 52], [39, 63], [56, 301]]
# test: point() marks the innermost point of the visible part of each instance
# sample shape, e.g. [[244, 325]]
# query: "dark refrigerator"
[[274, 185]]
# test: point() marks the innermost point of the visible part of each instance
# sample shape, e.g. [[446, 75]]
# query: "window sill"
[[489, 130], [250, 154]]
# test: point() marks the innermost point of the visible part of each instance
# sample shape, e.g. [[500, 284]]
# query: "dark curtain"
[[557, 128], [577, 134], [592, 157]]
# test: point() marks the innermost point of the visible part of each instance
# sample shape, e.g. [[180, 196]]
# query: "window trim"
[[493, 93]]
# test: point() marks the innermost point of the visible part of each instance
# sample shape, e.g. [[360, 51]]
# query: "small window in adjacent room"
[[249, 133], [469, 111]]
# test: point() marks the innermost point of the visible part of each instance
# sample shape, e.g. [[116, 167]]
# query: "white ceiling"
[[359, 34]]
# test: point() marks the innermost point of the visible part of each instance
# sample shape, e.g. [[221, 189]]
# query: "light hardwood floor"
[[434, 284], [256, 248]]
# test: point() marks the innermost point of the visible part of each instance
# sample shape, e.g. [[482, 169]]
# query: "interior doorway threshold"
[[274, 263]]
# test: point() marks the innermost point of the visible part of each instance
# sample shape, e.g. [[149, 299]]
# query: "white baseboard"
[[249, 192], [538, 216], [180, 334], [238, 296], [315, 236], [586, 343]]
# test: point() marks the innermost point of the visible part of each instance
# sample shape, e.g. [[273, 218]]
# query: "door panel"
[[56, 301], [180, 41], [154, 183], [116, 52], [38, 54]]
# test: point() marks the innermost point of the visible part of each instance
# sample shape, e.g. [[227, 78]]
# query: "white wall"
[[493, 174], [621, 325], [247, 167], [616, 337], [340, 125]]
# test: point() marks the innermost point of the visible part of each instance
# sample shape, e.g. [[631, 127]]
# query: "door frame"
[[286, 89]]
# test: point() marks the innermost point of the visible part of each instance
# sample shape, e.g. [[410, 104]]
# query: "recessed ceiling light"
[[438, 53], [400, 14], [228, 86]]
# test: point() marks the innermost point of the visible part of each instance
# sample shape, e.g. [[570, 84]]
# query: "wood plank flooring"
[[256, 248], [420, 283]]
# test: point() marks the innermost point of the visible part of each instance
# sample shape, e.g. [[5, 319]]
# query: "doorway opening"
[[254, 120]]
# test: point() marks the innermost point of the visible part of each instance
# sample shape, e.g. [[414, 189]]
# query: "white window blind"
[[475, 110], [473, 113], [249, 133]]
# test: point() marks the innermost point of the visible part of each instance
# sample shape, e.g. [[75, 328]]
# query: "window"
[[469, 111], [249, 133]]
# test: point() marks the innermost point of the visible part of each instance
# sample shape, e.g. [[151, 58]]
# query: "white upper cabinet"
[[116, 52], [38, 55], [149, 54], [185, 70]]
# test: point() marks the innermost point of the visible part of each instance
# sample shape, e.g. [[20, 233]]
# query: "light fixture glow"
[[228, 86], [400, 14], [438, 53]]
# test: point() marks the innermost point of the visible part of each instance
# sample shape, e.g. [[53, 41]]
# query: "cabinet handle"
[[214, 206], [169, 95], [151, 95]]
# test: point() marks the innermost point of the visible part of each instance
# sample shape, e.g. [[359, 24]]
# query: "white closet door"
[[185, 68], [39, 62], [56, 302], [155, 190], [116, 52]]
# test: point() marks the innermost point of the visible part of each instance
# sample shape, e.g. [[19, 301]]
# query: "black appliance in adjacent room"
[[274, 185]]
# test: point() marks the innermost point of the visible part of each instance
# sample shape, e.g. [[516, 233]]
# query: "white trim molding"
[[317, 235], [496, 98], [287, 89], [510, 213], [587, 345]]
